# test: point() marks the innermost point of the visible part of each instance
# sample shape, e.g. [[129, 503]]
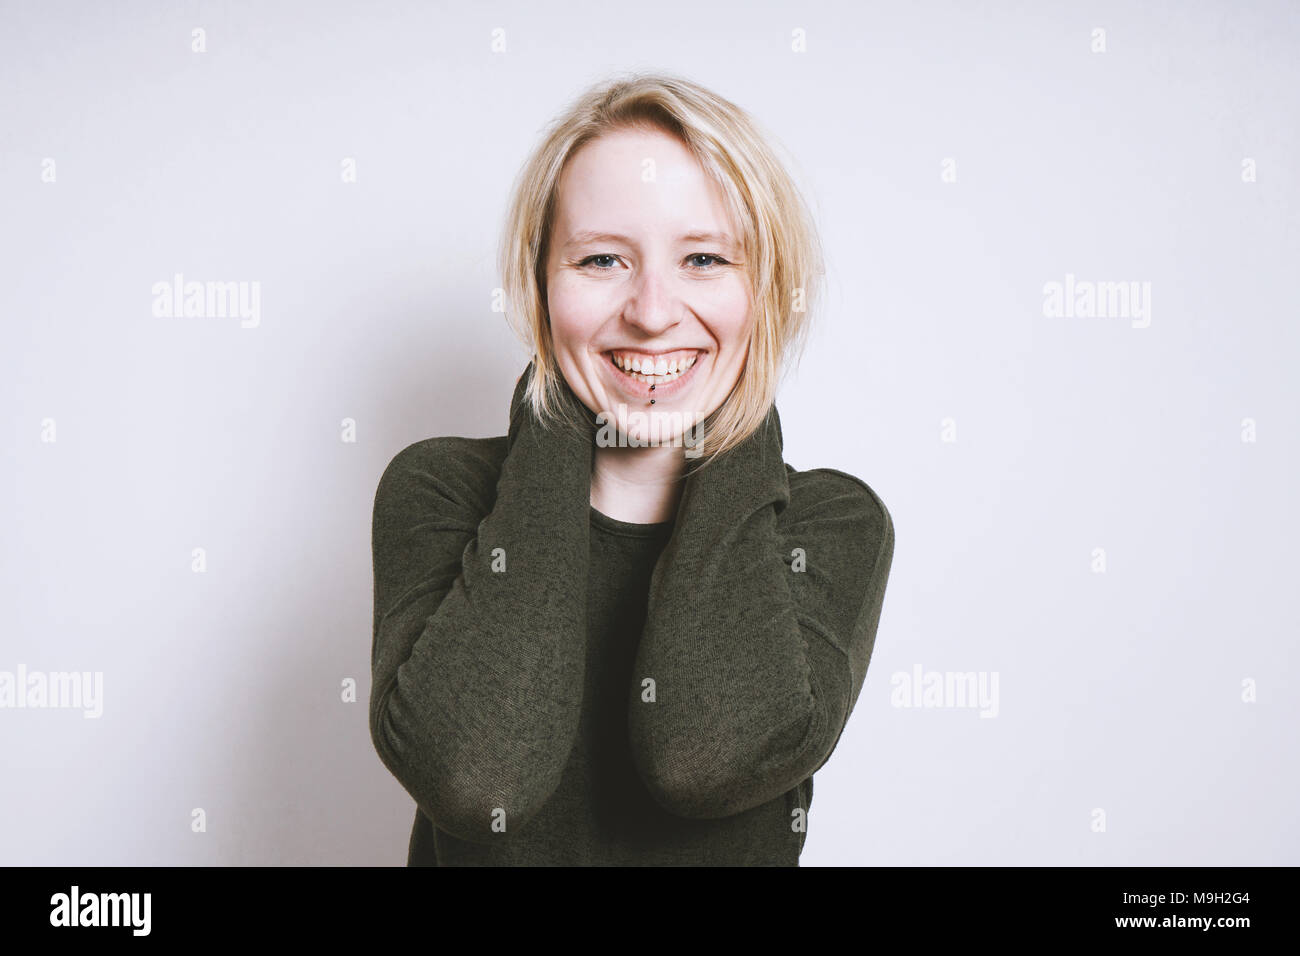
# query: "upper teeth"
[[653, 370]]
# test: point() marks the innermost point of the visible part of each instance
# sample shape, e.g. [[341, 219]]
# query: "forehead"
[[630, 180]]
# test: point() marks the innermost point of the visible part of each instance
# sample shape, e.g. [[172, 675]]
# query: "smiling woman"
[[632, 651], [676, 293]]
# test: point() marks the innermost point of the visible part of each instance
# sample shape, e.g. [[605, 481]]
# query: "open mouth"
[[653, 377]]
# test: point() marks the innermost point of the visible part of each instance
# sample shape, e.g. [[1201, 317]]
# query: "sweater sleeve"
[[478, 653], [758, 634]]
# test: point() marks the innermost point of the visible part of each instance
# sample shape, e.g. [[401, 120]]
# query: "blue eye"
[[716, 259]]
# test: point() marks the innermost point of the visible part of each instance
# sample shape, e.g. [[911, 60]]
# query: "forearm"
[[750, 659], [478, 687]]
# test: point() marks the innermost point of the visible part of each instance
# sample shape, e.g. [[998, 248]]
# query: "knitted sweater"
[[554, 686]]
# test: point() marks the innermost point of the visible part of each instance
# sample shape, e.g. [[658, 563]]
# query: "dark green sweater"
[[553, 686]]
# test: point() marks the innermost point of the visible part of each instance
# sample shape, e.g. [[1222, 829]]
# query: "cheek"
[[733, 324], [729, 311], [574, 319]]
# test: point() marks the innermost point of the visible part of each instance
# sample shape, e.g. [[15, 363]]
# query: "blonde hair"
[[782, 250]]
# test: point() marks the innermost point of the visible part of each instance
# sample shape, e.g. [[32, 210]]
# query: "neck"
[[637, 485]]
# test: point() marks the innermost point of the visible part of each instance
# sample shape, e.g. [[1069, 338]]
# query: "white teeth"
[[654, 373]]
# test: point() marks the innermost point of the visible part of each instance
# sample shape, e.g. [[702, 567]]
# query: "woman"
[[606, 638]]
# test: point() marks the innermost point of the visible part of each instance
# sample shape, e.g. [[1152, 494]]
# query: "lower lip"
[[664, 390]]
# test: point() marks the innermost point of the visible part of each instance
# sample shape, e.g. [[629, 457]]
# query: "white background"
[[1119, 691]]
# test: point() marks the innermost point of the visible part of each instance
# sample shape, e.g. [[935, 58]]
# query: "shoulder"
[[458, 471], [842, 506]]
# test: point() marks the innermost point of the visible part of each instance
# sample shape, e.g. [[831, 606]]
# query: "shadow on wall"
[[308, 787]]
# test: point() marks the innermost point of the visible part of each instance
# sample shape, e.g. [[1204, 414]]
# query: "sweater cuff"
[[576, 428], [751, 474], [556, 457]]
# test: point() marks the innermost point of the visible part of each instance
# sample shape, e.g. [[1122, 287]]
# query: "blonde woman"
[[626, 632]]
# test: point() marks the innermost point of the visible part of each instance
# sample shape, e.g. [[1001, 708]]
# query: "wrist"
[[752, 472]]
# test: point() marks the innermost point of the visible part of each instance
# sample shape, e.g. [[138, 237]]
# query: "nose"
[[653, 306]]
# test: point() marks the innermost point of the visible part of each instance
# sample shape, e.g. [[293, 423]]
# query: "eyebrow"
[[587, 235]]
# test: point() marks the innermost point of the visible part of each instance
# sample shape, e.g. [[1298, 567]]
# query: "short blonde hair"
[[782, 250]]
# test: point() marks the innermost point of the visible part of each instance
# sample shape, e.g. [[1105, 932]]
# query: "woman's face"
[[646, 283]]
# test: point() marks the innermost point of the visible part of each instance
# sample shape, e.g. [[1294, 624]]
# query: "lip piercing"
[[652, 388]]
